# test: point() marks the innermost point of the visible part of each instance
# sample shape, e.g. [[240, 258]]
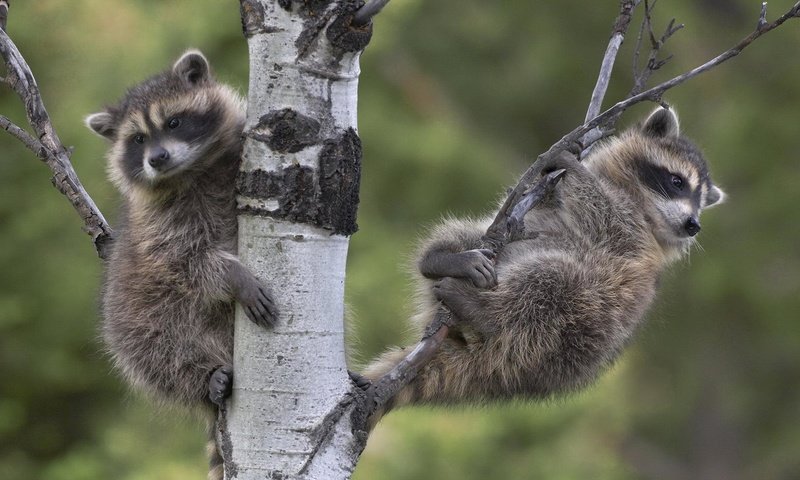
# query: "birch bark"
[[289, 414]]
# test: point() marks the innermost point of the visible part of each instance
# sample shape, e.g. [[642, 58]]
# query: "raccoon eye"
[[677, 182], [139, 138], [174, 123]]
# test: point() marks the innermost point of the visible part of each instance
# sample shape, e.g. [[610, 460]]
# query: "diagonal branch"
[[48, 147], [380, 392]]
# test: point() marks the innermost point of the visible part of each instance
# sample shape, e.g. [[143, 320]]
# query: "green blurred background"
[[456, 98]]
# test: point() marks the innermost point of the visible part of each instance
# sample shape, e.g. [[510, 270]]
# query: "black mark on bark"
[[346, 36], [293, 187], [328, 200], [286, 131], [340, 176]]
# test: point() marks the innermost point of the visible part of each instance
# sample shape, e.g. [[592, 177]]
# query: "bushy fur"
[[173, 276], [557, 307]]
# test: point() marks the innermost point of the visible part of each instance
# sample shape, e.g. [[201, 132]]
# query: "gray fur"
[[564, 301]]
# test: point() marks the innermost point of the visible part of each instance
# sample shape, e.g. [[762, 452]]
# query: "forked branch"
[[46, 145]]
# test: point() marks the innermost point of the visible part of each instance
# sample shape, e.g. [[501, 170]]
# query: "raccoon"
[[551, 311], [173, 276]]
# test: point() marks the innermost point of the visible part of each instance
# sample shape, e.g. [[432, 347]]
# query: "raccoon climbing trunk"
[[289, 413]]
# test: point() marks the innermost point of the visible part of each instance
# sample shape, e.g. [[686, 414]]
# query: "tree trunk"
[[289, 415]]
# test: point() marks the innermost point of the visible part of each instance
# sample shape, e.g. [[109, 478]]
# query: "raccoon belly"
[[168, 343]]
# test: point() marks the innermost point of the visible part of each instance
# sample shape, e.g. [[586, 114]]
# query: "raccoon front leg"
[[476, 265], [465, 301], [254, 297]]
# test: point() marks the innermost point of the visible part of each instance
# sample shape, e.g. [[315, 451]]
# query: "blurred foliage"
[[456, 99]]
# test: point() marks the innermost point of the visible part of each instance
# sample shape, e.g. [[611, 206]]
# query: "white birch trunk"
[[289, 414]]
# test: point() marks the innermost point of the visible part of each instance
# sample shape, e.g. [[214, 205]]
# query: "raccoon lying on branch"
[[550, 311]]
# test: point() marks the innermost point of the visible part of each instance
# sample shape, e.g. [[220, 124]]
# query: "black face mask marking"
[[193, 126], [667, 184]]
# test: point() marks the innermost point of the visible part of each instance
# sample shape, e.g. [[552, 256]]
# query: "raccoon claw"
[[220, 385], [564, 160], [364, 384], [361, 381], [259, 307], [478, 266]]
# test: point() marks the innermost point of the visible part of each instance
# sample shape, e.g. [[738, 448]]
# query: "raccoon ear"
[[102, 123], [715, 196], [192, 67], [662, 123]]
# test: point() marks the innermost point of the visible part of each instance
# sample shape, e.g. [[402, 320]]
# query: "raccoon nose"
[[158, 157], [692, 226]]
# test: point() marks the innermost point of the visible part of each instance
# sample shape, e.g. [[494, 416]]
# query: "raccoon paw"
[[457, 295], [220, 385], [258, 305], [476, 265], [565, 160]]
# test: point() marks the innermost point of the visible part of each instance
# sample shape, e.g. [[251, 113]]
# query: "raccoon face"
[[164, 141], [169, 126], [676, 180]]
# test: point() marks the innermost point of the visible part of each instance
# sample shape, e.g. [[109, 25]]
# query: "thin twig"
[[618, 33], [364, 15], [762, 19], [26, 138], [20, 78], [621, 25], [640, 78], [396, 379]]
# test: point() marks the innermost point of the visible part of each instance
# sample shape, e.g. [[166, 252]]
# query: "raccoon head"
[[170, 127], [673, 180], [664, 173]]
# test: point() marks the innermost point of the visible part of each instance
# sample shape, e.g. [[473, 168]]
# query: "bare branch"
[[404, 372], [31, 143], [621, 25], [363, 15], [20, 78], [640, 78]]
